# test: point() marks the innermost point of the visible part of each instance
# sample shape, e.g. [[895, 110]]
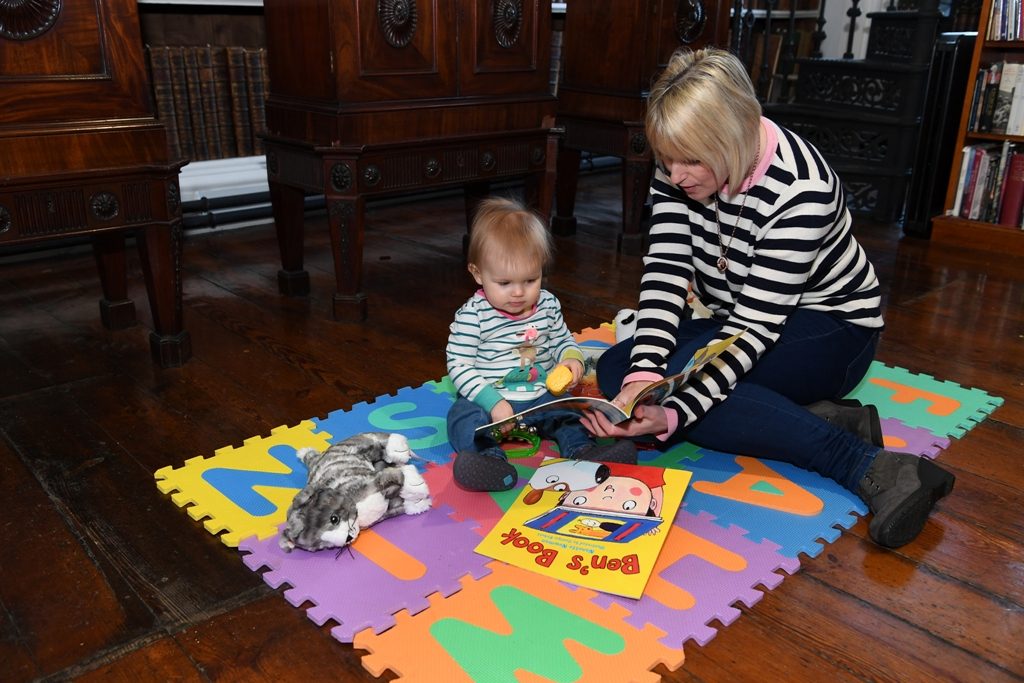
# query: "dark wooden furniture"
[[82, 154], [377, 97], [612, 50]]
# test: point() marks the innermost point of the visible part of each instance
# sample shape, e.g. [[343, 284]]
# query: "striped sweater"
[[792, 248], [484, 343]]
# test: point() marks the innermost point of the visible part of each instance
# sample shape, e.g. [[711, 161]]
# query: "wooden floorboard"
[[103, 577]]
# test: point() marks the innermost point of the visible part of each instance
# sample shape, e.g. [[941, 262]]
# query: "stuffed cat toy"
[[352, 485]]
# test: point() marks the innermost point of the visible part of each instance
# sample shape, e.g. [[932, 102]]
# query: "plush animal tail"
[[306, 454]]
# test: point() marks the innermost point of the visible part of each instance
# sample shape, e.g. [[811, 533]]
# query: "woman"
[[752, 219]]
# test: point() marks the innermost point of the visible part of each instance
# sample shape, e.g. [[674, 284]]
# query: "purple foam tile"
[[917, 440], [713, 588], [356, 592]]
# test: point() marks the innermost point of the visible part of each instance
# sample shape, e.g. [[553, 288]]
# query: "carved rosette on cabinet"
[[690, 20], [27, 19], [508, 20], [397, 20]]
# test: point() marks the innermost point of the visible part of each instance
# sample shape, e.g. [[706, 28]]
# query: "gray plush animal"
[[353, 484]]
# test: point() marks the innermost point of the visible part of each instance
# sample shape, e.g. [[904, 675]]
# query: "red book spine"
[[1013, 194]]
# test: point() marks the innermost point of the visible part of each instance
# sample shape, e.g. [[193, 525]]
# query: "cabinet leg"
[[540, 186], [473, 194], [346, 218], [117, 311], [564, 222], [288, 207], [636, 179], [160, 252]]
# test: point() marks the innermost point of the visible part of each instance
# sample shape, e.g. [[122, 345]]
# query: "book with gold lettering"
[[597, 525]]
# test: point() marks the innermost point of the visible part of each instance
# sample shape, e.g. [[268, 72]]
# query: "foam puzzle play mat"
[[428, 607]]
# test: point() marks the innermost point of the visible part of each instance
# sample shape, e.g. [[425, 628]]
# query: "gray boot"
[[900, 490], [622, 451], [849, 415]]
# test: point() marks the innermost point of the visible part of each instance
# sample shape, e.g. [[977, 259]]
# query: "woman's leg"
[[817, 356]]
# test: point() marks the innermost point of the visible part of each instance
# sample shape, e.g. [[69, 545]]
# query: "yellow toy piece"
[[559, 380]]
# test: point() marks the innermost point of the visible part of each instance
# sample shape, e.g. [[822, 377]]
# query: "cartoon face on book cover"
[[598, 525]]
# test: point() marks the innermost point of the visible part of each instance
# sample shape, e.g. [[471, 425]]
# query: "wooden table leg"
[[117, 311], [160, 252], [288, 205], [540, 186], [472, 193], [347, 221], [564, 222], [637, 169]]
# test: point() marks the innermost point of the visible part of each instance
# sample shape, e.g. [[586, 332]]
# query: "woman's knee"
[[612, 367]]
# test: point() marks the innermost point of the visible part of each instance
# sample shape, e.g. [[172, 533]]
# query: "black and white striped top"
[[792, 248]]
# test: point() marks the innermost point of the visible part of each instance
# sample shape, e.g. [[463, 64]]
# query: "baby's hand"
[[559, 379], [502, 410]]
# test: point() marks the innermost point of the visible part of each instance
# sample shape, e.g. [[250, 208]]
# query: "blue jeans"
[[818, 356], [563, 426]]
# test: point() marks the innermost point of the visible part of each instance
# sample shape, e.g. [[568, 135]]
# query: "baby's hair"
[[507, 233]]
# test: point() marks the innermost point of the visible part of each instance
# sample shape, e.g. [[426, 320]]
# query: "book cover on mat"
[[597, 525]]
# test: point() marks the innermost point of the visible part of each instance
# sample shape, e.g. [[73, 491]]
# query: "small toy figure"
[[351, 486]]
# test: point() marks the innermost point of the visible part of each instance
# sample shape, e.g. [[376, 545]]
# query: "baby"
[[502, 345]]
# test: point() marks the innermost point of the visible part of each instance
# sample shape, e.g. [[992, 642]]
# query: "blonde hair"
[[505, 233], [703, 108]]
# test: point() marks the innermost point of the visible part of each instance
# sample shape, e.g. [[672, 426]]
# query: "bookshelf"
[[952, 229]]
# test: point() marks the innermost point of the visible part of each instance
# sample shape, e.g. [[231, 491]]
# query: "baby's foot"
[[483, 472]]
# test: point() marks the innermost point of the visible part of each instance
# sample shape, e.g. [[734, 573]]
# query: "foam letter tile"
[[944, 408], [702, 571], [246, 490], [393, 565], [485, 509], [916, 440], [773, 500], [512, 626], [419, 414]]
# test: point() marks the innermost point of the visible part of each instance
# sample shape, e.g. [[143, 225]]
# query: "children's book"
[[654, 393], [597, 525]]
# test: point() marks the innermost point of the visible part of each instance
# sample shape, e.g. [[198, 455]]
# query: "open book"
[[652, 394]]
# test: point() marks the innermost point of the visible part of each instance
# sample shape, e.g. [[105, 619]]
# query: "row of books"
[[1006, 21], [991, 183], [210, 98], [997, 104]]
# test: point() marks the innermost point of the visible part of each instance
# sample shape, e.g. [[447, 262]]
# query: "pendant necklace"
[[723, 249]]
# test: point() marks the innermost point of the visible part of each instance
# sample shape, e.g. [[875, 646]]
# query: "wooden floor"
[[102, 577]]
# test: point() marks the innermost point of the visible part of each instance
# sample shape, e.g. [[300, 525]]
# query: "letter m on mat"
[[534, 644]]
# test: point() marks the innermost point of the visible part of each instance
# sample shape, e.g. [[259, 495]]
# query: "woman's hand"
[[645, 420], [629, 392]]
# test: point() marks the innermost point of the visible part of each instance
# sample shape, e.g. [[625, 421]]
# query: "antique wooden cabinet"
[[612, 50], [376, 97], [82, 154]]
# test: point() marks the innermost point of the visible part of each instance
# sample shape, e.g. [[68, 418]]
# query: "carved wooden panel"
[[53, 52], [502, 49]]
